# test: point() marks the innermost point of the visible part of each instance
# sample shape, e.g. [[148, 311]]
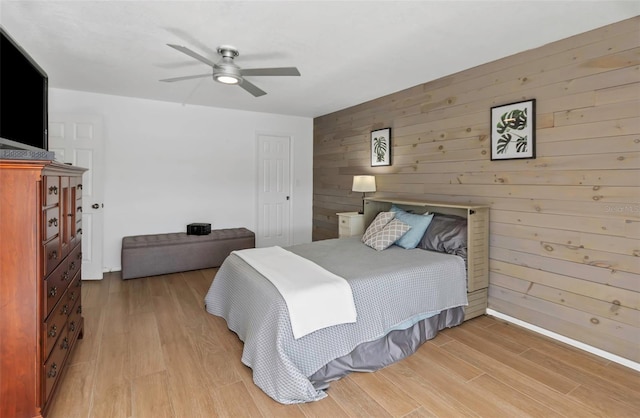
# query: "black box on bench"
[[198, 229]]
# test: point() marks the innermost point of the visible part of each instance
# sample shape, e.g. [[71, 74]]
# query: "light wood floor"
[[150, 350]]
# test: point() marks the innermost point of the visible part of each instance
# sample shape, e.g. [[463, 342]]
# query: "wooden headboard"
[[477, 240]]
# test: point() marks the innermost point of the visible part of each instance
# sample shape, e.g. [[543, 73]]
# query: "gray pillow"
[[446, 234]]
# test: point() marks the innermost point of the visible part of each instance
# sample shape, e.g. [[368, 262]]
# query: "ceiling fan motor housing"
[[226, 71]]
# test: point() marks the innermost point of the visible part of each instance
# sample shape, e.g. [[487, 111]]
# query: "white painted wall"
[[169, 165]]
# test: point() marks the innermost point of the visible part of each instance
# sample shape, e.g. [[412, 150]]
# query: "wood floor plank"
[[170, 319], [112, 402], [495, 350], [601, 402], [219, 367], [471, 396], [388, 395], [145, 346], [435, 402], [150, 398], [496, 392], [521, 382], [140, 298], [115, 314], [356, 402], [606, 388], [419, 413], [234, 401], [454, 364], [190, 396], [587, 362], [113, 366]]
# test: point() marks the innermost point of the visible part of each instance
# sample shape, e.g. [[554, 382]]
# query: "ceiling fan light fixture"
[[226, 79]]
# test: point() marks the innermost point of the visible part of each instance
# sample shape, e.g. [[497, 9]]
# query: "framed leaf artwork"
[[513, 131], [381, 147]]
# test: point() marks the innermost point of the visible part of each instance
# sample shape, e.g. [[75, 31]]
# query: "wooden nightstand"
[[350, 224]]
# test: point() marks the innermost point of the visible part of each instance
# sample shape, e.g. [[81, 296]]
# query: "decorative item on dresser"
[[350, 224], [40, 267]]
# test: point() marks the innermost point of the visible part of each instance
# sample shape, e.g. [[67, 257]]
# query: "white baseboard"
[[593, 350]]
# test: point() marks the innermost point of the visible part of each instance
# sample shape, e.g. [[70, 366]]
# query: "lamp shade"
[[364, 184]]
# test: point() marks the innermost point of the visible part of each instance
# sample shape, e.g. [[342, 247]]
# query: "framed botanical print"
[[513, 131], [381, 147]]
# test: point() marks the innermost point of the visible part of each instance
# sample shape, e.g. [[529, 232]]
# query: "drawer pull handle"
[[65, 276], [79, 231], [79, 209], [53, 331], [79, 283], [80, 186], [79, 256], [53, 221], [72, 266], [79, 310], [53, 372], [53, 291], [53, 255], [64, 310], [72, 296], [65, 343], [53, 190], [72, 326]]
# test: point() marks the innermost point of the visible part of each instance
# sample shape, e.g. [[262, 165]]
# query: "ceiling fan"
[[227, 72]]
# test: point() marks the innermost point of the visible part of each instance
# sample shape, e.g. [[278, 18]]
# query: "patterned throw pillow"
[[378, 223], [383, 239]]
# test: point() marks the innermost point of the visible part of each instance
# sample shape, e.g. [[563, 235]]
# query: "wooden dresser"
[[40, 263]]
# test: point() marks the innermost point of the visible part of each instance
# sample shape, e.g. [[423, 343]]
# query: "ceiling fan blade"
[[291, 71], [186, 77], [193, 54], [252, 88]]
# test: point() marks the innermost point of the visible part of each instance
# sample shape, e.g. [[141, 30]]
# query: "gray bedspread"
[[392, 289]]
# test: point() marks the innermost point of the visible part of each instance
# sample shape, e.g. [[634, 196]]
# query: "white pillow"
[[380, 221], [383, 239]]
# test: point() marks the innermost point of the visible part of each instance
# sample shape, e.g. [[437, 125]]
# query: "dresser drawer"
[[51, 190], [53, 366], [54, 286], [73, 292], [74, 323], [51, 222], [75, 260], [52, 255], [54, 326]]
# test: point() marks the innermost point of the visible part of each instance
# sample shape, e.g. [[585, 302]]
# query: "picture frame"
[[381, 147], [513, 131]]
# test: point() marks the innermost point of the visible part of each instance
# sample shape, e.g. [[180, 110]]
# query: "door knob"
[[95, 206]]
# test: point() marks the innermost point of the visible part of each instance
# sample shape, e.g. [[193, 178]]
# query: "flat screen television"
[[23, 99]]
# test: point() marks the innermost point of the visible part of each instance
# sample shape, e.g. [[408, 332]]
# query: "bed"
[[403, 297]]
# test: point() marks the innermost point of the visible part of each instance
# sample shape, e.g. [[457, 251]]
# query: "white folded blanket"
[[315, 297]]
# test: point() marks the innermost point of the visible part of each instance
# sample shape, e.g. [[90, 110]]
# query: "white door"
[[77, 139], [274, 191]]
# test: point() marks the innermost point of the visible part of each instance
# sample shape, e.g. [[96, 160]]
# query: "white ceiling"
[[348, 52]]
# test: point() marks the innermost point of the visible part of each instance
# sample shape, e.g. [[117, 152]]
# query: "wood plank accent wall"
[[564, 227]]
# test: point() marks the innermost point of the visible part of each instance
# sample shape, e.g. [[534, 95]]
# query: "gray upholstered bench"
[[150, 255]]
